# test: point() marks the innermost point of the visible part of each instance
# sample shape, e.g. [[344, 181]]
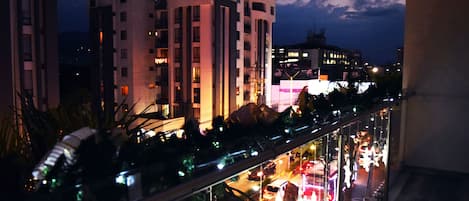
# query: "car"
[[268, 170], [275, 190]]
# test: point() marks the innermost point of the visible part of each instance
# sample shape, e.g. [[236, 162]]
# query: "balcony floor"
[[418, 184]]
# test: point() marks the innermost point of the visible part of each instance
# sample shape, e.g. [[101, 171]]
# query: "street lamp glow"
[[374, 70], [313, 147]]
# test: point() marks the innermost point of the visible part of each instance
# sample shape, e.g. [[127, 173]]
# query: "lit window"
[[305, 54], [125, 90], [196, 74], [100, 37], [293, 54]]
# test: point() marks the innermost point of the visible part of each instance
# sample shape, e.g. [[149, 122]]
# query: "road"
[[355, 193]]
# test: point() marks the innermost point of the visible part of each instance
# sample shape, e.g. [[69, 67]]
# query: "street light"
[[313, 148]]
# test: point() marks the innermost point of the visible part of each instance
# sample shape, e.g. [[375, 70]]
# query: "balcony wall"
[[434, 120]]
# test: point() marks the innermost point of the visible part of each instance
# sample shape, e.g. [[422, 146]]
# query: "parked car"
[[275, 191], [268, 170]]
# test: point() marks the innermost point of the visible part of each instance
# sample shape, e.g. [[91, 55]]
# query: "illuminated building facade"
[[28, 53], [314, 57], [187, 58], [333, 64]]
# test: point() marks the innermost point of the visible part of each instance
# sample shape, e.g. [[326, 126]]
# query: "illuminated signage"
[[161, 60]]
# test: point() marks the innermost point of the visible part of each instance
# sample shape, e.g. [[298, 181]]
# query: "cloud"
[[352, 9], [293, 2]]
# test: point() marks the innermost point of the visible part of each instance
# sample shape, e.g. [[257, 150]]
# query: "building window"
[[124, 72], [247, 11], [247, 45], [305, 54], [177, 55], [247, 95], [247, 28], [246, 78], [178, 74], [177, 35], [151, 68], [247, 62], [178, 15], [272, 10], [123, 53], [151, 51], [26, 11], [196, 34], [196, 95], [196, 74], [237, 54], [196, 14], [237, 72], [27, 47], [258, 6], [293, 54], [28, 81], [196, 54], [125, 90], [178, 94], [123, 35], [123, 16]]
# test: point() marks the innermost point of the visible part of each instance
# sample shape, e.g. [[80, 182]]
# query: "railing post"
[[326, 169], [388, 147], [210, 193], [340, 172]]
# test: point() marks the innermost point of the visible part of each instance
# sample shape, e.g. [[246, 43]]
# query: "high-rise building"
[[28, 53], [197, 59], [314, 57]]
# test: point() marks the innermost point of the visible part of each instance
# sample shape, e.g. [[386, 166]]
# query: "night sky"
[[376, 27]]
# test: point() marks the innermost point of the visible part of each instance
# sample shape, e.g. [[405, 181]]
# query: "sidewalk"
[[359, 187]]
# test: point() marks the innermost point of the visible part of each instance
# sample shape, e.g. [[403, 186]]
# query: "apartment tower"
[[28, 53], [199, 59]]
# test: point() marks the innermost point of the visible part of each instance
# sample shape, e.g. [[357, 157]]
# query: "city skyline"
[[375, 28]]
